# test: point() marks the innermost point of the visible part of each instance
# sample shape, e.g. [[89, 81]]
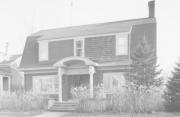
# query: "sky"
[[20, 18]]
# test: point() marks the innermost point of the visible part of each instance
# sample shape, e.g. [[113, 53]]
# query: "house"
[[55, 60], [10, 77]]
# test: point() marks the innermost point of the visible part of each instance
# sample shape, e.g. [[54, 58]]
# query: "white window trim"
[[122, 35], [1, 82], [79, 39], [43, 77]]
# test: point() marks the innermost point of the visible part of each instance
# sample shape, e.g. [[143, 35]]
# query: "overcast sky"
[[20, 18]]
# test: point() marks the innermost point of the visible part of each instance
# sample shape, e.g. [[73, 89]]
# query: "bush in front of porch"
[[130, 100]]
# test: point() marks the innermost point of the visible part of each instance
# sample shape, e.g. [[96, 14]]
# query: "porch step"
[[63, 106]]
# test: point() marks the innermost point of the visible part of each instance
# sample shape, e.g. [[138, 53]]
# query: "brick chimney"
[[151, 5]]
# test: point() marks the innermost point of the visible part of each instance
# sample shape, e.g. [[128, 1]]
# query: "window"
[[43, 51], [45, 84], [113, 81], [6, 83], [79, 47], [122, 44]]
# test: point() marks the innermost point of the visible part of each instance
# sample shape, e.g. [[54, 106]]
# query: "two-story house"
[[55, 60]]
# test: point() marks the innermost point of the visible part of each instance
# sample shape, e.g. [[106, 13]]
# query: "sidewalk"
[[51, 114]]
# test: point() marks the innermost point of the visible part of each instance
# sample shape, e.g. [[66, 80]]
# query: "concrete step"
[[64, 106]]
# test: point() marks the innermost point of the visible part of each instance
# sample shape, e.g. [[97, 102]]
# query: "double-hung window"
[[121, 44], [43, 51], [45, 84], [79, 47]]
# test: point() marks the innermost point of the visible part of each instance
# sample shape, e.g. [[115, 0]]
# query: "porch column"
[[9, 83], [60, 74], [1, 84], [91, 74]]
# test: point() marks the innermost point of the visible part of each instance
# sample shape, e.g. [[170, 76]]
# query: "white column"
[[60, 74], [9, 84], [1, 84], [91, 74]]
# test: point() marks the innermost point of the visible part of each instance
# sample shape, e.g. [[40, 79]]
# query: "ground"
[[66, 114]]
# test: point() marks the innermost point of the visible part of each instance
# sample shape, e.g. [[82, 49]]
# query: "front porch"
[[74, 71], [71, 81]]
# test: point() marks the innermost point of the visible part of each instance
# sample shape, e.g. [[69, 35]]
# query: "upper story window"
[[43, 51], [122, 44], [78, 47]]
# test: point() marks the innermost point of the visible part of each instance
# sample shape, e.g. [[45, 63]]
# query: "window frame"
[[45, 77], [43, 46], [119, 37], [75, 46]]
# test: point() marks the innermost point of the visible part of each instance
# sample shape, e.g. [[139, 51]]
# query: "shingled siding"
[[102, 49], [60, 49], [139, 31]]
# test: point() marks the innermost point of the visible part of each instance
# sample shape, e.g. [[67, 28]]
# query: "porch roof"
[[61, 63]]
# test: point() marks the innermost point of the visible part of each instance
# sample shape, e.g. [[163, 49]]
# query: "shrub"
[[92, 105], [22, 102], [136, 100], [81, 92], [129, 100]]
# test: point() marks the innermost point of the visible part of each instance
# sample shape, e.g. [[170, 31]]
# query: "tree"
[[143, 71], [173, 90]]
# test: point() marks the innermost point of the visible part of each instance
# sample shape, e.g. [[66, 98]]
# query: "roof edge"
[[94, 24]]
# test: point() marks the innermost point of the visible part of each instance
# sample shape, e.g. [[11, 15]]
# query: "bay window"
[[45, 84]]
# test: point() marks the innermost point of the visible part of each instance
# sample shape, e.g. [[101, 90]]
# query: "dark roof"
[[92, 29], [30, 53], [11, 59]]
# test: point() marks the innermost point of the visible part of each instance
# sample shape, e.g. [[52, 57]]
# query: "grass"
[[62, 114], [20, 114], [122, 115]]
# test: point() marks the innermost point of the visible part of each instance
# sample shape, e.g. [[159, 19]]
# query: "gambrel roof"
[[30, 54], [92, 29]]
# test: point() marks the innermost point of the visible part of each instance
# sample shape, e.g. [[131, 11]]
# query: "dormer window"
[[43, 51], [122, 44], [79, 47]]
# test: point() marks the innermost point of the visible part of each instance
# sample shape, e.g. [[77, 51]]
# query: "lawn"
[[63, 114], [122, 115], [20, 114]]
